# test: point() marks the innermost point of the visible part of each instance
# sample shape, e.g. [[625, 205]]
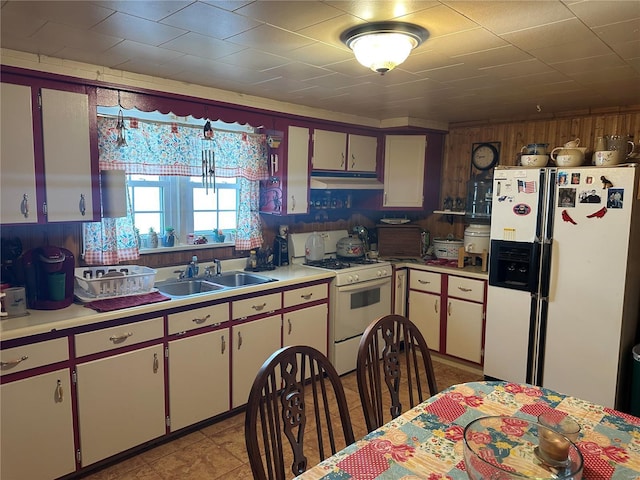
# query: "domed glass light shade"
[[382, 46]]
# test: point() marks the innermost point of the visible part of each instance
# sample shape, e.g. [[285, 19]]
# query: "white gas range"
[[360, 294]]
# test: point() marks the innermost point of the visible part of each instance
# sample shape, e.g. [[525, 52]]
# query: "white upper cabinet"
[[297, 186], [18, 179], [404, 162], [67, 156], [340, 152], [362, 153], [329, 150]]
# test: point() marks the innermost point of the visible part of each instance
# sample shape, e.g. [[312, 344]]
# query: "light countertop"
[[45, 321]]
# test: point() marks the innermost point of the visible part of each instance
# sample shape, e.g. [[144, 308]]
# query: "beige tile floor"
[[218, 451]]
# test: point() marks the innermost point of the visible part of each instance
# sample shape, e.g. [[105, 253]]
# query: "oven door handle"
[[365, 285]]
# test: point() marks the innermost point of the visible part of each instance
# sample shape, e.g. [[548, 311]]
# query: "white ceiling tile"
[[319, 54], [257, 60], [270, 39], [376, 10], [459, 43], [493, 57], [549, 35], [604, 12], [589, 64], [70, 13], [621, 32], [153, 10], [203, 46], [628, 50], [137, 29], [57, 33], [140, 51], [208, 20], [508, 16], [440, 20], [297, 71], [571, 51], [329, 31], [292, 15]]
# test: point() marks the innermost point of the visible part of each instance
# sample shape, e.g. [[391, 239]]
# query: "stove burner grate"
[[330, 263]]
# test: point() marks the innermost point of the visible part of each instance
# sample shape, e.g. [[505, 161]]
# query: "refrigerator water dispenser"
[[514, 265]]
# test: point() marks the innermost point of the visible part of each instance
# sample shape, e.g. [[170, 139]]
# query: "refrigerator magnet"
[[521, 209], [615, 198], [589, 196], [575, 178], [562, 178], [567, 197]]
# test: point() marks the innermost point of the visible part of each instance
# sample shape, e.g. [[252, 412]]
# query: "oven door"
[[356, 306]]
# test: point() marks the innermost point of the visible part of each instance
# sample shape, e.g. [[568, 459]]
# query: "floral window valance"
[[174, 149]]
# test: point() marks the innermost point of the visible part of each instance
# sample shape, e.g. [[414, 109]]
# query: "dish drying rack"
[[113, 281]]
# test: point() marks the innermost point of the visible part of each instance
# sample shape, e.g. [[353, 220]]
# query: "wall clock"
[[485, 156]]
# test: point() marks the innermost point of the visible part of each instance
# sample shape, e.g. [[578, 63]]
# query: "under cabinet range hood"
[[344, 181]]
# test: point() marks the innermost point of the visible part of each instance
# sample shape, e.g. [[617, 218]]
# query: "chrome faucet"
[[181, 273]]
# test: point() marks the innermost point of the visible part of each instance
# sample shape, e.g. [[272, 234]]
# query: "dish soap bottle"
[[252, 262]]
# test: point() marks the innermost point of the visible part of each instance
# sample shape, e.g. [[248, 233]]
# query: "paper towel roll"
[[114, 197]]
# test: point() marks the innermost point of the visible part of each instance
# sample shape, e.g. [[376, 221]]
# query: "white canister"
[[314, 247], [476, 238]]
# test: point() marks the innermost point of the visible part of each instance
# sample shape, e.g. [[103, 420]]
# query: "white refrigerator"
[[563, 302]]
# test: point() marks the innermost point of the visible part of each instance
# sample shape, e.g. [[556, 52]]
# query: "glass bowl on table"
[[505, 448]]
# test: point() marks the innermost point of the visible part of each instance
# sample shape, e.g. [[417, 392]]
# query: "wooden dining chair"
[[297, 414], [394, 370]]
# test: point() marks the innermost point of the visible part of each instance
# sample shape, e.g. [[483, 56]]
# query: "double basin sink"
[[198, 285]]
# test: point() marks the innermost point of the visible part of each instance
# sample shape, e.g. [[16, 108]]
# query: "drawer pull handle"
[[449, 309], [289, 321], [223, 344], [307, 296], [435, 306], [82, 205], [201, 320], [259, 307], [156, 364], [13, 363], [424, 282], [120, 338], [59, 391], [239, 340], [463, 289]]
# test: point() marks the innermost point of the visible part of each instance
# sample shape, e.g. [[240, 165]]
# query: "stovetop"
[[337, 263]]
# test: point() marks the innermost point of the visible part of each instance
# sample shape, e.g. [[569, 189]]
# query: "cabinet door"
[[404, 170], [18, 179], [120, 402], [329, 150], [198, 378], [67, 156], [253, 342], [37, 427], [297, 186], [464, 330], [424, 311], [307, 326], [400, 295], [362, 153]]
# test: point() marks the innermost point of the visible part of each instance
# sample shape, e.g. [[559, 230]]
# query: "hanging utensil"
[[120, 141]]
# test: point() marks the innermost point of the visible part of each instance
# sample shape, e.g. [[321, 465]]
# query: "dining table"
[[426, 442]]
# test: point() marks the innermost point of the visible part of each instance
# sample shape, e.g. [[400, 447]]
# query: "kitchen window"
[[184, 204]]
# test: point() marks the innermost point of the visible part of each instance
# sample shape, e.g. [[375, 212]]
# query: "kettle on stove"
[[363, 234], [314, 247]]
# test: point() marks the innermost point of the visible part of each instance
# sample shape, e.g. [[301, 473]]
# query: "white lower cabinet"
[[198, 378], [37, 427], [307, 326], [121, 396], [424, 311], [253, 342], [464, 330]]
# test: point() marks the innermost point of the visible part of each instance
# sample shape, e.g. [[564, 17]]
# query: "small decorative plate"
[[395, 221]]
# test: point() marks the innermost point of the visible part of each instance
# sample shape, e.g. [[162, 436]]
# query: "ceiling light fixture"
[[382, 46]]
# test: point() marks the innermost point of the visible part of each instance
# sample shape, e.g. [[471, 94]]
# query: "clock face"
[[484, 156]]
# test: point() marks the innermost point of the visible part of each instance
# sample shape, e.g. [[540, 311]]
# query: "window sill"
[[182, 247]]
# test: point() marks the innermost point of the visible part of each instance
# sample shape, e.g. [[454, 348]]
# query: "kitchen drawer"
[[425, 281], [107, 339], [299, 296], [466, 288], [256, 305], [34, 355], [198, 317]]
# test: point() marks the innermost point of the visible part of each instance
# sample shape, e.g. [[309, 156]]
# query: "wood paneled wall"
[[555, 131]]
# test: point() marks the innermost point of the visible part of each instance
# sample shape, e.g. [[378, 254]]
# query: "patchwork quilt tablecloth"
[[426, 441]]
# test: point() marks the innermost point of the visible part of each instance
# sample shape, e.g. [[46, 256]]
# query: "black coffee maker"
[[48, 277], [280, 252]]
